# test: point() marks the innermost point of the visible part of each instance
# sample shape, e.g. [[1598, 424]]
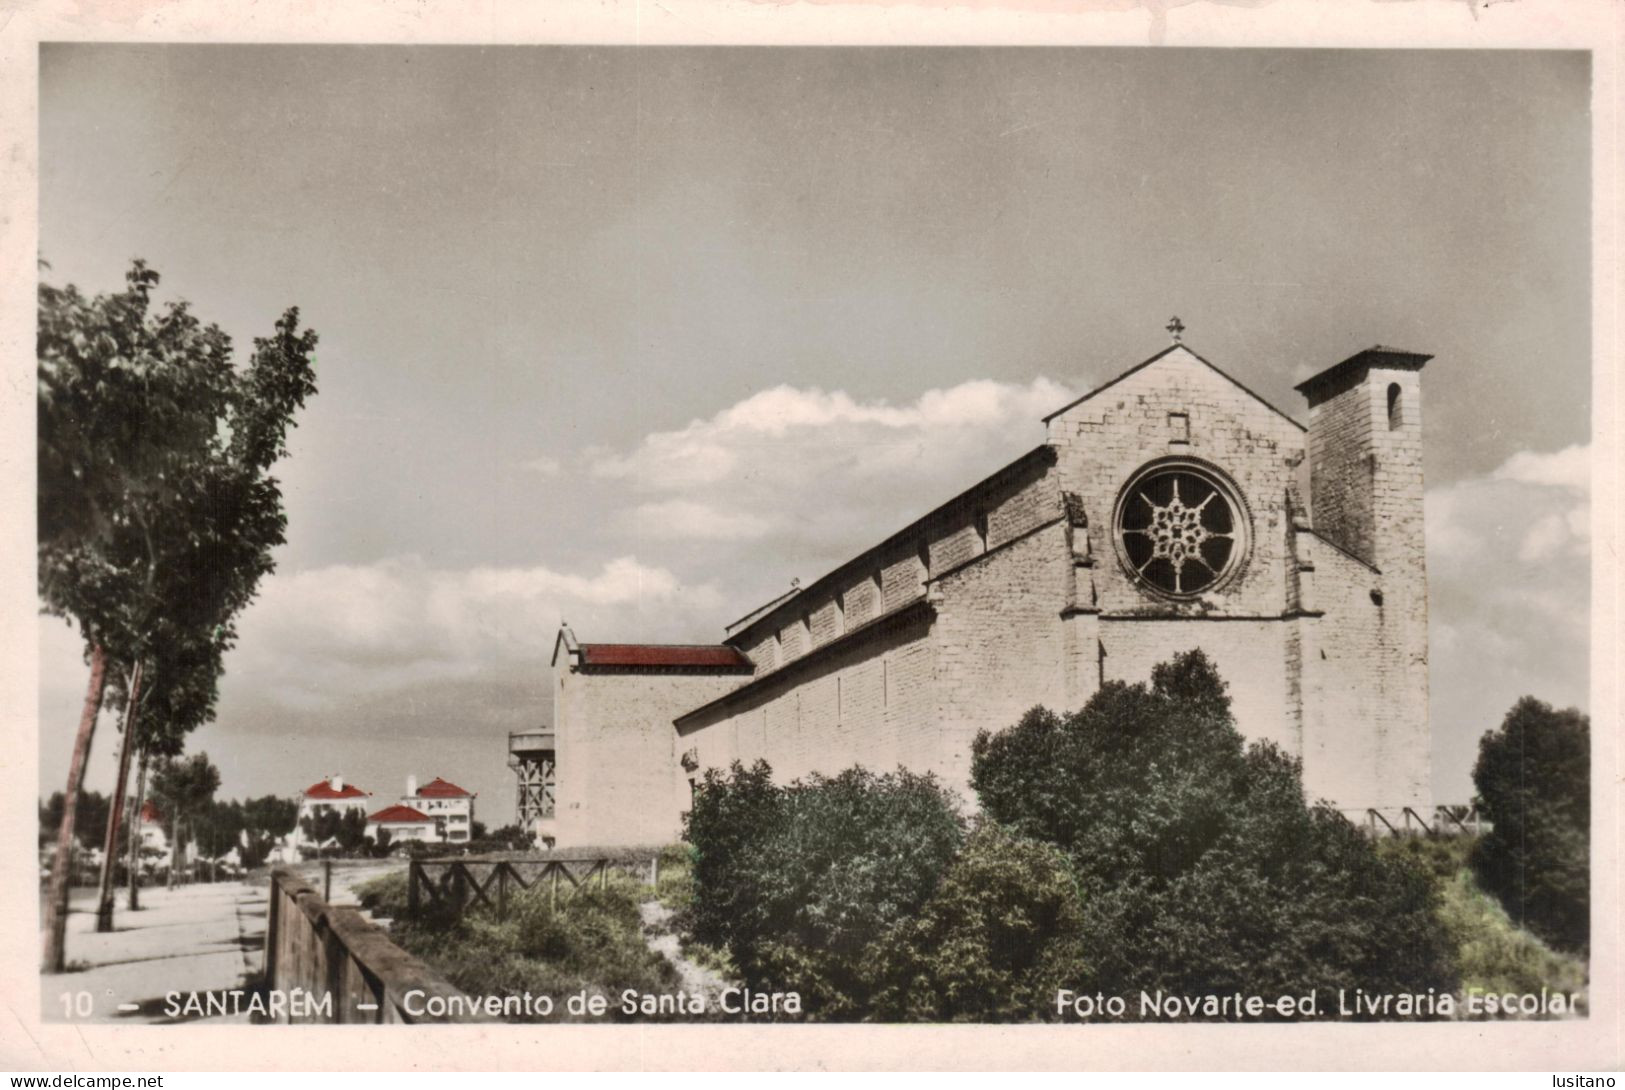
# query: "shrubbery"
[[1534, 784], [798, 882], [1002, 932], [1202, 869], [1494, 954], [1137, 844], [591, 940]]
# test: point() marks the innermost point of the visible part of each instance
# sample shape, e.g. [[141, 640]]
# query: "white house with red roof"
[[331, 794], [438, 812], [450, 807], [402, 822], [151, 828]]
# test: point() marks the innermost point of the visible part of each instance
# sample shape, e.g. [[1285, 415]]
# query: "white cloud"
[[1540, 500], [806, 477], [1509, 565], [699, 521], [1567, 468], [349, 629]]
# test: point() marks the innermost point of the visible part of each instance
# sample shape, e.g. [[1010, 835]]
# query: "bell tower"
[[1365, 485]]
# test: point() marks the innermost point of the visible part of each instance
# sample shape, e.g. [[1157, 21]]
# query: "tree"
[[219, 827], [799, 882], [266, 820], [183, 790], [1001, 933], [92, 813], [1534, 784], [1201, 867], [157, 514], [346, 828]]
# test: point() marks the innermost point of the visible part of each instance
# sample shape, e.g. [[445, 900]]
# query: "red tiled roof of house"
[[643, 654], [438, 788], [322, 789], [395, 814], [149, 812]]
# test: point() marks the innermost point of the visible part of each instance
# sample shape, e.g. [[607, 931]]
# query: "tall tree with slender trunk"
[[104, 907], [157, 511], [133, 863]]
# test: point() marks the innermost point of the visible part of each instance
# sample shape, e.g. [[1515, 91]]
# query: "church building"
[[1168, 509]]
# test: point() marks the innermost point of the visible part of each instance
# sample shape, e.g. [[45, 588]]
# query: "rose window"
[[1180, 529]]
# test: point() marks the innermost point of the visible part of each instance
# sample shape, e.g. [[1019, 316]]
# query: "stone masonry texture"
[[1016, 594]]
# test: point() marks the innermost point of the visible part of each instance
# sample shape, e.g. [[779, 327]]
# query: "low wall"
[[333, 951]]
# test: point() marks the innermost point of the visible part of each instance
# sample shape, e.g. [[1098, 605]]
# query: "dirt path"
[[696, 978]]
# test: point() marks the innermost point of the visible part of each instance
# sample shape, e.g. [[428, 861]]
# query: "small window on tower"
[[1179, 427], [1396, 409]]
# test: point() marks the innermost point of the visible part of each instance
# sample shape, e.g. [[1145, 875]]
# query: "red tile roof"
[[322, 789], [642, 654], [397, 814], [438, 788], [149, 812]]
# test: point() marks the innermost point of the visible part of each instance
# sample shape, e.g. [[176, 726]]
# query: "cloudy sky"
[[634, 337]]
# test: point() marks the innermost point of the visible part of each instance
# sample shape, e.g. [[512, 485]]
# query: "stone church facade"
[[1168, 509]]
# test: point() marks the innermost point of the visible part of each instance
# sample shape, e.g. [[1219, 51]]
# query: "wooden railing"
[[462, 883]]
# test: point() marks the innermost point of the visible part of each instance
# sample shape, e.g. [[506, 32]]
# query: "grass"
[[591, 941], [1493, 953]]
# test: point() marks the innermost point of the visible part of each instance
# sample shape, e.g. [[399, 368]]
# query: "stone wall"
[[869, 692], [1367, 496], [863, 701], [999, 641], [1345, 713], [1104, 439], [617, 761], [330, 951], [1015, 594]]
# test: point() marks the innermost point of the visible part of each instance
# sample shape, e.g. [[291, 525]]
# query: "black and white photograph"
[[1058, 535]]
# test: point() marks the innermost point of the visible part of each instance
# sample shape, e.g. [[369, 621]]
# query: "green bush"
[[1534, 784], [1494, 954], [1002, 932], [1201, 868], [384, 895], [592, 941], [796, 883], [674, 885]]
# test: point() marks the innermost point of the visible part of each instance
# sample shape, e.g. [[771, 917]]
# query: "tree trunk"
[[174, 843], [134, 861], [56, 902], [110, 844]]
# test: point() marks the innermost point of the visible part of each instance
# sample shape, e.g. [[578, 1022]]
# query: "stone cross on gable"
[[1176, 327]]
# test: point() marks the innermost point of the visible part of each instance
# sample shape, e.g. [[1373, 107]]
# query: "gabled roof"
[[438, 788], [395, 815], [647, 654], [1165, 352], [322, 789]]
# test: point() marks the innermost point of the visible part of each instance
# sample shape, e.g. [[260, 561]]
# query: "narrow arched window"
[[1396, 411]]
